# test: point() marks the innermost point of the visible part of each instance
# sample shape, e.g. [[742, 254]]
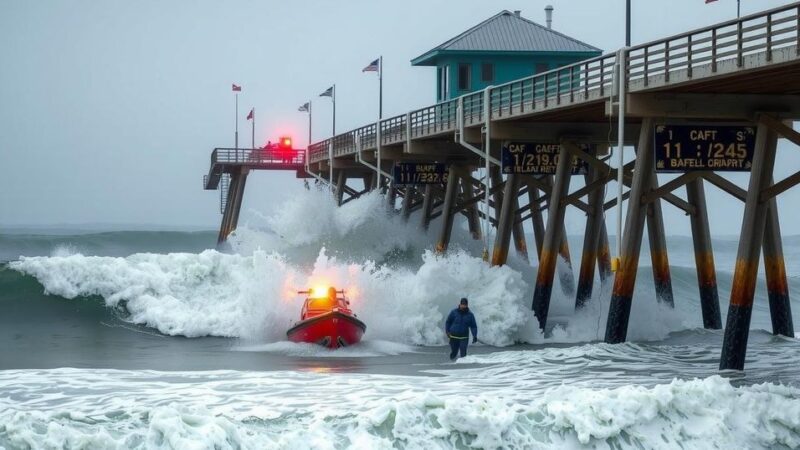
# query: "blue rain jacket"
[[459, 323]]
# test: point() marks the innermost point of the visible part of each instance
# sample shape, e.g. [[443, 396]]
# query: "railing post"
[[645, 66], [797, 27], [739, 44], [602, 76], [714, 50], [571, 87], [586, 82], [666, 61], [545, 88], [689, 55], [769, 37], [558, 87]]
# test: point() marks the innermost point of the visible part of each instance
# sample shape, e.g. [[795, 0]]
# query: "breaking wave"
[[694, 414]]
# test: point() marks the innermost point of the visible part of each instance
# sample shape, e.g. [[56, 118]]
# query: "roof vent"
[[548, 10], [517, 12]]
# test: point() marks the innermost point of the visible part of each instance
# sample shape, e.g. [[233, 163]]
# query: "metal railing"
[[257, 156], [683, 57]]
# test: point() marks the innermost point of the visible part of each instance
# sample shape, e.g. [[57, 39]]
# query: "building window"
[[464, 81], [487, 72], [542, 67]]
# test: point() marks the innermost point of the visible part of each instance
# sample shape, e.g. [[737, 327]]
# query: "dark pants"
[[456, 345]]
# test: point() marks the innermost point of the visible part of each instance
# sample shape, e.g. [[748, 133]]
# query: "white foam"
[[369, 411], [364, 349]]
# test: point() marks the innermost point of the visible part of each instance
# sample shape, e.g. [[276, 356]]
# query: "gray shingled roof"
[[507, 32]]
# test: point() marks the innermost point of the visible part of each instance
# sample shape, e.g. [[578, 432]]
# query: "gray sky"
[[109, 110]]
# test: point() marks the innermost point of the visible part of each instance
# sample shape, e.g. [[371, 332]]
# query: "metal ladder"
[[224, 186]]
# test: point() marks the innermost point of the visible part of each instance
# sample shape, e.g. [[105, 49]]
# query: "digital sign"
[[539, 158], [420, 173], [686, 148]]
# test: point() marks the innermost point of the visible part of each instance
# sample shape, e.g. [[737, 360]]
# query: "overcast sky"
[[109, 109]]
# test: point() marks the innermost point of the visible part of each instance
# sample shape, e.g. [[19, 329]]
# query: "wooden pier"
[[741, 74]]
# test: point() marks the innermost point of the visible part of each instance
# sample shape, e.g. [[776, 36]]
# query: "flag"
[[236, 88], [374, 66], [252, 114], [304, 107], [328, 92]]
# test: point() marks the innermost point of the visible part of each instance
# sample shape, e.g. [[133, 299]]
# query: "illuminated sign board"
[[420, 173], [539, 159], [686, 148]]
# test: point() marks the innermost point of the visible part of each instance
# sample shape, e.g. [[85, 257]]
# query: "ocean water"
[[158, 340]]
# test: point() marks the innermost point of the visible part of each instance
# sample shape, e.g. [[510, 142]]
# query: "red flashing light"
[[286, 142]]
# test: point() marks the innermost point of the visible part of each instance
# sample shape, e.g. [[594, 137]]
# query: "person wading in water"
[[457, 327]]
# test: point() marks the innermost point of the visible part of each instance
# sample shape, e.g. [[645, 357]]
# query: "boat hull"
[[332, 330]]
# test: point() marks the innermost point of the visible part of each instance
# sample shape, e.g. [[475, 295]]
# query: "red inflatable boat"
[[326, 319]]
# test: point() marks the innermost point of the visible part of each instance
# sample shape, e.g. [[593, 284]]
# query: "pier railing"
[[257, 156], [706, 52]]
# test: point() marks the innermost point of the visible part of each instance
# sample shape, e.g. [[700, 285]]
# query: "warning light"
[[286, 142]]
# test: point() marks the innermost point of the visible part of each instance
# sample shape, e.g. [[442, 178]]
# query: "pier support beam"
[[447, 210], [737, 327], [369, 183], [408, 197], [704, 256], [517, 230], [427, 207], [506, 221], [553, 237], [473, 216], [658, 248], [591, 240], [625, 279], [340, 182], [230, 218], [780, 309], [603, 254], [536, 219]]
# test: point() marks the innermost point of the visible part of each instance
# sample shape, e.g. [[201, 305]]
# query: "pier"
[[695, 105]]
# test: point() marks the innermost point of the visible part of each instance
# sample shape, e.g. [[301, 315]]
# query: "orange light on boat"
[[318, 292]]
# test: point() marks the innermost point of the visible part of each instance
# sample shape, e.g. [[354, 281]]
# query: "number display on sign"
[[420, 173], [683, 148], [538, 159]]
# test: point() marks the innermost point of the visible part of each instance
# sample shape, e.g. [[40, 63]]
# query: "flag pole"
[[309, 122], [334, 109], [253, 146], [380, 88], [738, 8], [236, 120]]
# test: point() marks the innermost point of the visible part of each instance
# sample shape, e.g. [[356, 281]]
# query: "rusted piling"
[[662, 279], [427, 207], [777, 287], [447, 210], [553, 237], [537, 220], [737, 326], [625, 279], [504, 227], [473, 216], [591, 240], [704, 256]]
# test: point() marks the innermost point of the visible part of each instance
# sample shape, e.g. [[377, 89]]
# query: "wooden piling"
[[505, 224], [408, 197], [704, 256], [553, 237], [447, 211], [737, 326], [427, 207], [625, 279], [591, 240], [662, 279], [537, 221], [341, 180], [473, 215], [780, 308]]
